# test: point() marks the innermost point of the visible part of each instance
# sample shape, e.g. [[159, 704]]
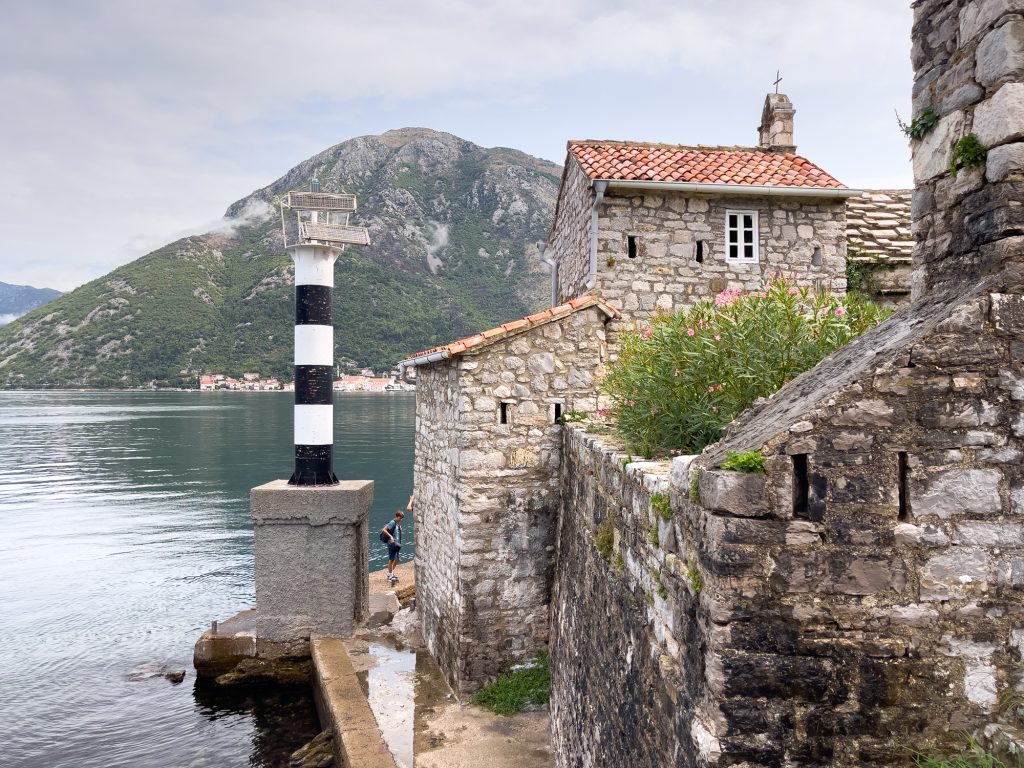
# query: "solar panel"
[[334, 233], [321, 201]]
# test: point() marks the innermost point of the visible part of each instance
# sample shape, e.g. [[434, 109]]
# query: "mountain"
[[16, 300], [455, 229]]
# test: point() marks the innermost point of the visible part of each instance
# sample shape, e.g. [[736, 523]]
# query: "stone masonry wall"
[[968, 59], [628, 625], [665, 274], [570, 238], [870, 587], [435, 512], [865, 595], [503, 498]]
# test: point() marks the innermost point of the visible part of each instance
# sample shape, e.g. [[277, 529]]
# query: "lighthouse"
[[311, 531], [316, 230]]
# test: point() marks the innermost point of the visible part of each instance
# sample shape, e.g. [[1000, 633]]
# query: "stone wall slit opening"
[[801, 487], [904, 486]]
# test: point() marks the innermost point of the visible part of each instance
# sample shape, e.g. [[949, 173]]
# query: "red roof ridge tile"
[[668, 163], [504, 331], [661, 145]]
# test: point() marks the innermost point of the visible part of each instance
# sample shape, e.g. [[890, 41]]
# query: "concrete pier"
[[311, 558]]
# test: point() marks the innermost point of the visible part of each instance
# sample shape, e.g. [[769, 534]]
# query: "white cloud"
[[142, 120]]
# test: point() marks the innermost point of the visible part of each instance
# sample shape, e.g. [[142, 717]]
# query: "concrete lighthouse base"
[[311, 558]]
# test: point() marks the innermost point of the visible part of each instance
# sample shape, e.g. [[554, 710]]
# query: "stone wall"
[[570, 232], [877, 568], [628, 624], [968, 59], [865, 594], [485, 569], [665, 273], [435, 512]]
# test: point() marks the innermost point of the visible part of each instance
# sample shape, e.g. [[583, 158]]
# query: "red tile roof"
[[505, 330], [742, 166]]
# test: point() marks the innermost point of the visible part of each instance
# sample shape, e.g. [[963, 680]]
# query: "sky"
[[128, 124]]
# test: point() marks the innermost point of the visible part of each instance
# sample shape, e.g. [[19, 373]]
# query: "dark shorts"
[[393, 552]]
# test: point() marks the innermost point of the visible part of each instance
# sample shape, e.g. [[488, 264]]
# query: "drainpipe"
[[543, 247], [599, 188]]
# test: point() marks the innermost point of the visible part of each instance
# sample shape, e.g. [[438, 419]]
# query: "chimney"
[[776, 131]]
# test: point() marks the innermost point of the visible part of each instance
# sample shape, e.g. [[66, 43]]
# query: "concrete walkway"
[[405, 703]]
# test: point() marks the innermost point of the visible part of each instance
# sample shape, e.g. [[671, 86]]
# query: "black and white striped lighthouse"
[[315, 239]]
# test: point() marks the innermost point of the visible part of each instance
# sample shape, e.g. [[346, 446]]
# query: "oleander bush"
[[681, 379]]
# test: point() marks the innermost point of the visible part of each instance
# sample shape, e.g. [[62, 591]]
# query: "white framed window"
[[741, 241]]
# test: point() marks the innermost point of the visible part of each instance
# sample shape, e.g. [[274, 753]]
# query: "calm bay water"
[[124, 530]]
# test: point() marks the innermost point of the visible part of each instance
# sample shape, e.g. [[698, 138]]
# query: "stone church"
[[638, 228], [861, 598]]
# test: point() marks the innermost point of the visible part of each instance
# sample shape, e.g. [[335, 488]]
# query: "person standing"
[[391, 534]]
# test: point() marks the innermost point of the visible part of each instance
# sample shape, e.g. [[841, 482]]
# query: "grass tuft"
[[662, 505], [517, 689]]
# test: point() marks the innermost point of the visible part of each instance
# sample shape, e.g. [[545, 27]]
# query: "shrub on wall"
[[681, 379]]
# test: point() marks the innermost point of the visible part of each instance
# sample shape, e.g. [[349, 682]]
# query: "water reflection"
[[124, 529]]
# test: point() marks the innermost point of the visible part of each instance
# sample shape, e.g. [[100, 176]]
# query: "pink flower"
[[714, 409], [654, 411], [794, 291], [721, 387], [726, 297], [840, 311], [711, 389], [690, 331], [717, 337], [678, 372], [646, 332], [602, 413]]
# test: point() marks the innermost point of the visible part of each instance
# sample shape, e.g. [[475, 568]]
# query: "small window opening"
[[801, 486], [557, 413], [904, 486], [631, 246], [816, 257], [503, 414], [700, 251], [741, 235]]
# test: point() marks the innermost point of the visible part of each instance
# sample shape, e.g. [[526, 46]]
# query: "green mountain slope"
[[455, 229]]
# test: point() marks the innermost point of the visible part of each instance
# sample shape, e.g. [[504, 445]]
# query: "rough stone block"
[[1008, 313], [1004, 160], [983, 534], [921, 535], [1000, 119], [740, 493], [916, 615], [957, 492], [863, 576], [1001, 53], [933, 153], [311, 558], [680, 473], [954, 573], [978, 16], [866, 412]]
